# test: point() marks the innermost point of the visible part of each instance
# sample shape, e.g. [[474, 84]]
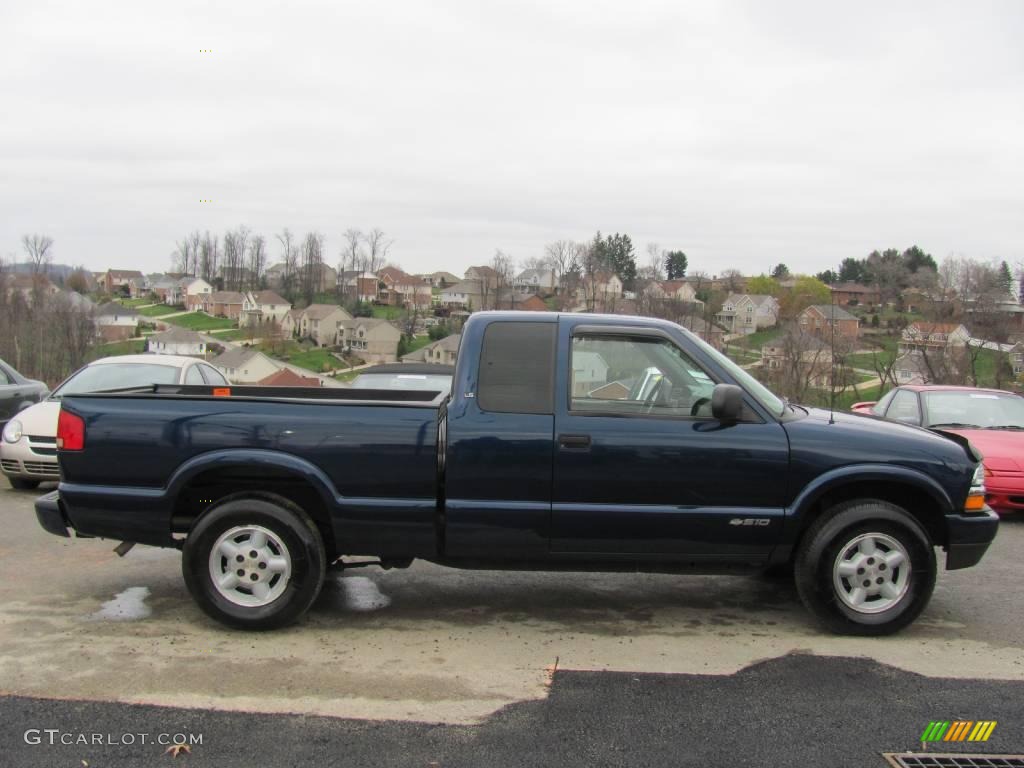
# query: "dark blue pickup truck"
[[571, 442]]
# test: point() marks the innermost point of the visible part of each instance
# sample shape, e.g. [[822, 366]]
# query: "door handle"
[[574, 441]]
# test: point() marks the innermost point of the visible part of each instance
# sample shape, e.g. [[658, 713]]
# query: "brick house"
[[193, 292], [119, 281], [819, 319], [116, 323], [855, 294], [223, 304]]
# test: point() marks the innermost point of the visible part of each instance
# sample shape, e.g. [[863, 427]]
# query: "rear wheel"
[[252, 563], [21, 484], [866, 568]]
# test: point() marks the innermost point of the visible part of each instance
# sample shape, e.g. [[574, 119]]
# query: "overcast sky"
[[745, 133]]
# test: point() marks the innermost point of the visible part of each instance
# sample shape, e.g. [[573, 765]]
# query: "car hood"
[[1001, 448], [40, 419], [892, 434]]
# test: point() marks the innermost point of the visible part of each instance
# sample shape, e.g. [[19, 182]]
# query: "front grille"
[[42, 451], [1017, 499], [42, 468], [42, 439], [909, 760], [10, 466]]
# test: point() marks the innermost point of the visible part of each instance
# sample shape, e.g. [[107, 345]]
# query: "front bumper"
[[969, 537], [1005, 493], [51, 515], [19, 460]]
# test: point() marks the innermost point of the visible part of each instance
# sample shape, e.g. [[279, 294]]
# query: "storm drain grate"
[[908, 760]]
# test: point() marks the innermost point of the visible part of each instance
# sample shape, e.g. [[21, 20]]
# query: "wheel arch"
[[922, 497], [213, 478]]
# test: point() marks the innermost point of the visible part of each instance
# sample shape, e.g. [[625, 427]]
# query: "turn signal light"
[[974, 503], [70, 431]]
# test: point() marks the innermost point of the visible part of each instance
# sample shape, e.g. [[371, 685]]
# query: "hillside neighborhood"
[[836, 337]]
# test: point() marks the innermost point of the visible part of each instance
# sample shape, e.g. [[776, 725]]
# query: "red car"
[[993, 420]]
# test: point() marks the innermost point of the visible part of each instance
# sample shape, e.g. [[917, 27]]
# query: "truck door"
[[499, 427], [640, 466]]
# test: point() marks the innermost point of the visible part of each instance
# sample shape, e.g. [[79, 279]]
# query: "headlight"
[[12, 432], [979, 478], [975, 501]]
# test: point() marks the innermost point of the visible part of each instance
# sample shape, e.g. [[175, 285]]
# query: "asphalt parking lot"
[[433, 666]]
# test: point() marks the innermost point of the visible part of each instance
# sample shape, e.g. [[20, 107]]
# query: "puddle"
[[362, 594], [129, 605]]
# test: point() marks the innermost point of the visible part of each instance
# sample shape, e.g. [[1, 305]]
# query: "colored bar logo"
[[958, 730]]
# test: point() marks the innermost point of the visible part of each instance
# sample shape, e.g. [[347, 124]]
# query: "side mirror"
[[727, 403]]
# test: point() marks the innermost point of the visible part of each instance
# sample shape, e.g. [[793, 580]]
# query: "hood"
[[40, 419], [1001, 448]]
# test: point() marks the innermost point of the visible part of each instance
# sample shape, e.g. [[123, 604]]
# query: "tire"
[[865, 539], [21, 484], [269, 591]]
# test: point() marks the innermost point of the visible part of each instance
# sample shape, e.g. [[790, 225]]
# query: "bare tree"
[[352, 256], [562, 256], [209, 257], [732, 280], [655, 268], [502, 266], [37, 248], [312, 265], [257, 261], [378, 245]]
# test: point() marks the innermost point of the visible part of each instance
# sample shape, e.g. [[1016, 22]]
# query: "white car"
[[28, 450]]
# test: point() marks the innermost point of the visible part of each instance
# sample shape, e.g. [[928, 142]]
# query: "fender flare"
[[253, 457]]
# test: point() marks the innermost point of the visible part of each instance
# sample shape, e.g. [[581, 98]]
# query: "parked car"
[[568, 442], [993, 420], [28, 450], [422, 376], [17, 392]]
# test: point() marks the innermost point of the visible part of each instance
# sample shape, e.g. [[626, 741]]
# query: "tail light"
[[70, 431]]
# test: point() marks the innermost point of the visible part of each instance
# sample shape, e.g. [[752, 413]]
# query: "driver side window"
[[636, 376]]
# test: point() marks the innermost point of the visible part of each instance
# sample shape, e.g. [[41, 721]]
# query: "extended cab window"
[[637, 376], [904, 407], [517, 368]]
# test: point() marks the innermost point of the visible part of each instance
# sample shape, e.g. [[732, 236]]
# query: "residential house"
[[263, 307], [164, 287], [1017, 358], [244, 365], [275, 275], [223, 304], [487, 276], [823, 319], [193, 292], [710, 332], [321, 323], [441, 352], [748, 313], [115, 322], [27, 284], [177, 341], [120, 281], [809, 353], [439, 279], [911, 368], [400, 289], [325, 278], [536, 281], [286, 377], [855, 294], [291, 322], [529, 303], [589, 372], [672, 290], [923, 335], [373, 339], [359, 285], [465, 295]]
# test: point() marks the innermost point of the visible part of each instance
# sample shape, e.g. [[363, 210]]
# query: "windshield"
[[745, 380], [98, 378], [984, 410]]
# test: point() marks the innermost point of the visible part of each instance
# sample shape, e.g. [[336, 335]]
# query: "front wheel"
[[866, 568], [254, 564]]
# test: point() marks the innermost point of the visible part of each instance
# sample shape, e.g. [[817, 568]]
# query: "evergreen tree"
[[675, 265]]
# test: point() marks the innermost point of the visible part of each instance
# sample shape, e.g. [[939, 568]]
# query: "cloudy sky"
[[744, 133]]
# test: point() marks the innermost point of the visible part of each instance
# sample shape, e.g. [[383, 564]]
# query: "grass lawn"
[[387, 313], [134, 302], [347, 376], [315, 359], [418, 342], [232, 334], [198, 321], [159, 310], [130, 347]]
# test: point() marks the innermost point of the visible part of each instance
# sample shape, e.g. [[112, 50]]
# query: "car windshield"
[[430, 382], [984, 410], [98, 378], [745, 380]]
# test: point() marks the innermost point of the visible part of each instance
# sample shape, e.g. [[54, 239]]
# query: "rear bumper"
[[50, 514], [969, 538]]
